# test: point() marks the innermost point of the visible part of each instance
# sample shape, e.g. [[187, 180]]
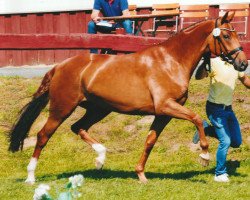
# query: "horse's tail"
[[29, 113]]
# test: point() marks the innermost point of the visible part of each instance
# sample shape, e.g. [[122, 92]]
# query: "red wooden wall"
[[57, 23]]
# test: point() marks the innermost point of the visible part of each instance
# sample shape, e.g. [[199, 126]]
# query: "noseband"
[[228, 56]]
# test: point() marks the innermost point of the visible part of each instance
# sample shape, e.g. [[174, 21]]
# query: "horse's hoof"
[[142, 178], [29, 181], [98, 164], [143, 181], [204, 159], [203, 162]]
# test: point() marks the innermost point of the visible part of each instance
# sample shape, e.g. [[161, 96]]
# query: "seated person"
[[109, 8]]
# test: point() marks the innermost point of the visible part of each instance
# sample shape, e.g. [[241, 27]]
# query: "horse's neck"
[[193, 42]]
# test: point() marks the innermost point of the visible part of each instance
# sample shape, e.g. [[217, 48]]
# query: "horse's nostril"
[[243, 65], [246, 64]]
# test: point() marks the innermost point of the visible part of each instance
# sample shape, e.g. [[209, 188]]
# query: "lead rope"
[[207, 61]]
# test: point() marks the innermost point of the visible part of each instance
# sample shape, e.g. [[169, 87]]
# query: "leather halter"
[[228, 56]]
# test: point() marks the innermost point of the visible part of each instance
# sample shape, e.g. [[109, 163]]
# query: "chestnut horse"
[[153, 81]]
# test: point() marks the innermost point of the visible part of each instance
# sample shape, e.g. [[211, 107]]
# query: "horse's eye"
[[226, 37]]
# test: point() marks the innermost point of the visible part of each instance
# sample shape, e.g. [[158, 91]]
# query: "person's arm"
[[96, 10], [95, 15], [124, 8], [245, 81], [125, 12], [201, 72]]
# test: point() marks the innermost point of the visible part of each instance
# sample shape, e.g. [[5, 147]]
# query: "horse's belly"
[[122, 102]]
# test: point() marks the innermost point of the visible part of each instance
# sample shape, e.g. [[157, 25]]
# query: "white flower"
[[76, 180], [76, 194], [41, 191]]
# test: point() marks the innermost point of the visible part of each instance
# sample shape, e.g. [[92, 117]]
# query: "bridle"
[[228, 56]]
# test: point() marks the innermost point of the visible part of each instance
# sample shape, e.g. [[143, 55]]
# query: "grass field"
[[172, 168]]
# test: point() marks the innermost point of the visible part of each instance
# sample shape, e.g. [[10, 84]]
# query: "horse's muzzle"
[[242, 66]]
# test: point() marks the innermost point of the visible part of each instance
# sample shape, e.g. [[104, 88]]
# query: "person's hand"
[[96, 19]]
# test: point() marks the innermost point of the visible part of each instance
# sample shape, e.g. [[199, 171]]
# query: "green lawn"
[[172, 168]]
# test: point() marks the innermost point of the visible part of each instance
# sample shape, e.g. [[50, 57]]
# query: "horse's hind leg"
[[56, 117], [93, 115], [156, 128]]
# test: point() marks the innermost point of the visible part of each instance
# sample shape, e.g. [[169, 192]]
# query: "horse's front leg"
[[174, 109], [93, 115], [156, 128]]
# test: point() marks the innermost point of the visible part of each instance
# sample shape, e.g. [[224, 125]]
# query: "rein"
[[228, 57]]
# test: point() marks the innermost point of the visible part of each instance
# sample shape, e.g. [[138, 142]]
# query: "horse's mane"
[[189, 28], [192, 26]]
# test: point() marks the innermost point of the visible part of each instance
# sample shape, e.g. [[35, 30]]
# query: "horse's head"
[[224, 42]]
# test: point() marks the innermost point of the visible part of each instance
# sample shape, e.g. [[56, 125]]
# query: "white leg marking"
[[31, 171], [205, 156], [101, 151]]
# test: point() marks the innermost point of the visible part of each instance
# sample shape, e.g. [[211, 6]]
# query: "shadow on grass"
[[232, 166], [107, 173], [110, 174]]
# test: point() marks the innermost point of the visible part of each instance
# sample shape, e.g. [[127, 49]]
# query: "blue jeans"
[[92, 29], [227, 129]]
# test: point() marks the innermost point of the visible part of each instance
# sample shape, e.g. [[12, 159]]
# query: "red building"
[[61, 21]]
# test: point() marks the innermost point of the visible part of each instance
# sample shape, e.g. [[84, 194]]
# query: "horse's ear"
[[228, 17]]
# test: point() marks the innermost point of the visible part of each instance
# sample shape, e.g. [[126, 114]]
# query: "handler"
[[109, 8], [219, 110]]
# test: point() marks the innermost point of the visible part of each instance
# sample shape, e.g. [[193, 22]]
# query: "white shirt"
[[222, 81]]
